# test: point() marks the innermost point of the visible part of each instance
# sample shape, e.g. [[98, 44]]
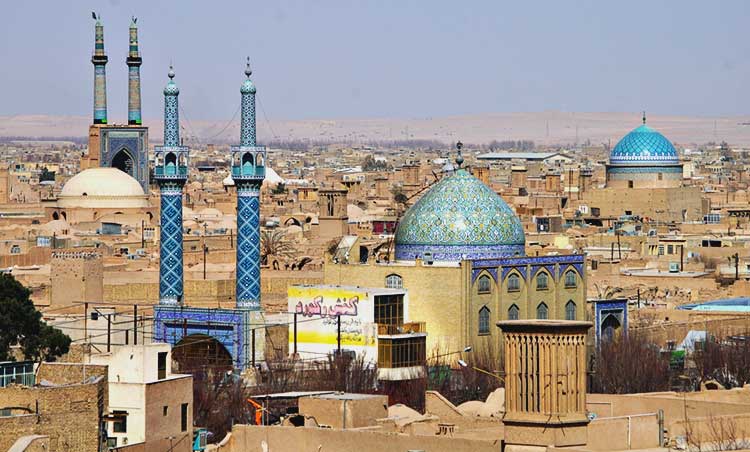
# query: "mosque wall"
[[449, 301], [664, 204]]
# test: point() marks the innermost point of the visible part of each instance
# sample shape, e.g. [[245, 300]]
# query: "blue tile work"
[[170, 244], [232, 328], [132, 141], [171, 112], [134, 76], [171, 173], [523, 264], [459, 218], [248, 172], [99, 60], [477, 271], [248, 247], [675, 169], [604, 308], [643, 145]]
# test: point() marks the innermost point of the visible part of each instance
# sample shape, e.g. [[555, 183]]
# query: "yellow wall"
[[447, 300]]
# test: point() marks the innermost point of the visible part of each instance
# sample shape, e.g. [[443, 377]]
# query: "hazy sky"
[[406, 59]]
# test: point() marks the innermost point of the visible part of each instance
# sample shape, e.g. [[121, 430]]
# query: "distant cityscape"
[[499, 282]]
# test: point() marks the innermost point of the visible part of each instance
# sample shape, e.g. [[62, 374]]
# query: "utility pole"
[[338, 334], [295, 334], [205, 251], [135, 324], [143, 235], [85, 322], [109, 332], [252, 343]]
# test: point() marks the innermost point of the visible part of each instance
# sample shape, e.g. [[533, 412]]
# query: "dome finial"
[[170, 74], [459, 157], [644, 116], [248, 71]]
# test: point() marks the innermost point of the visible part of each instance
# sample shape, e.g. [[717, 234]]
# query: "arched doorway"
[[610, 327], [200, 352], [123, 161]]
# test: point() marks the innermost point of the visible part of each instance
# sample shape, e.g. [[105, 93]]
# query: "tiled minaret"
[[134, 76], [170, 172], [99, 59], [248, 172]]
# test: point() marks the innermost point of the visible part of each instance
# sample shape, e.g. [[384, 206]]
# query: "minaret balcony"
[[171, 162], [248, 163]]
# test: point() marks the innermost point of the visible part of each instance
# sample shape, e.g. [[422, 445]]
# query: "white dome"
[[102, 187], [272, 177]]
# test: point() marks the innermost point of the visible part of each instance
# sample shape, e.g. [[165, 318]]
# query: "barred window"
[[394, 282], [484, 284], [541, 311], [571, 280], [484, 321], [541, 281], [570, 310], [514, 283], [513, 312]]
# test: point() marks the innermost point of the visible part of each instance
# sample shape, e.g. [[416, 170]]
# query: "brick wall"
[[69, 415]]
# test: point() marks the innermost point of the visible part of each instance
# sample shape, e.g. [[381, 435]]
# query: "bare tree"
[[630, 364]]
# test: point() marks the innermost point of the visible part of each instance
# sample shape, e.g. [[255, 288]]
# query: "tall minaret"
[[170, 172], [134, 76], [99, 59], [248, 172]]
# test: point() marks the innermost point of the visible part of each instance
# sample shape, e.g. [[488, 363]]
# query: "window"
[[541, 311], [570, 310], [571, 280], [394, 282], [120, 423], [484, 321], [184, 417], [161, 365], [541, 281], [661, 250], [670, 249], [400, 352], [484, 284], [164, 410], [15, 249], [630, 184], [389, 309], [513, 312], [514, 283]]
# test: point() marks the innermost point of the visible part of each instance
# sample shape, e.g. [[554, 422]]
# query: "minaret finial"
[[644, 116], [248, 71], [459, 157], [170, 74]]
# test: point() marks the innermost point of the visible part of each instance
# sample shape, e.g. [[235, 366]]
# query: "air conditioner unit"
[[674, 267], [427, 258]]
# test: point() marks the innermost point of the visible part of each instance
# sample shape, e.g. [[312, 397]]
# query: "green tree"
[[21, 323]]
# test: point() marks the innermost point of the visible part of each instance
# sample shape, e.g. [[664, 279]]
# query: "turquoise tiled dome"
[[459, 218], [643, 145]]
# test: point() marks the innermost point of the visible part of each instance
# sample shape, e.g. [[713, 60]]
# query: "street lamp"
[[466, 365], [466, 349]]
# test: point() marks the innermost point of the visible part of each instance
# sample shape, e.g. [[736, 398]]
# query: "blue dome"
[[643, 145], [459, 218]]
